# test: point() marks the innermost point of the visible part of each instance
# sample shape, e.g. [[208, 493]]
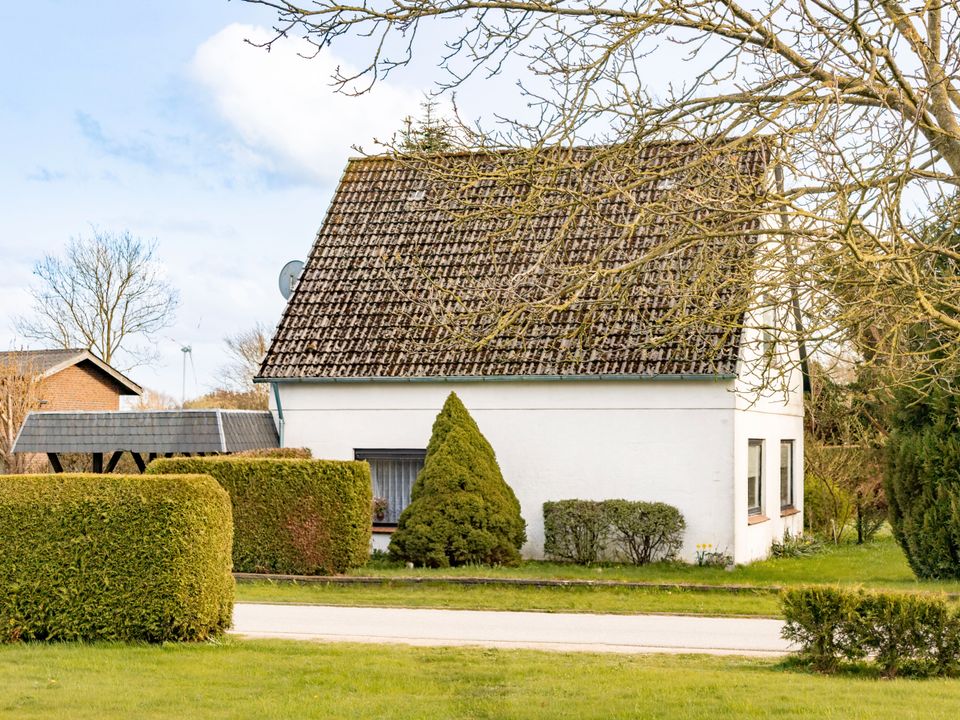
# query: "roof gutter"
[[280, 420], [492, 378]]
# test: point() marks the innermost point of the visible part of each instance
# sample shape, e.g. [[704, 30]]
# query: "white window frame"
[[791, 501], [757, 509]]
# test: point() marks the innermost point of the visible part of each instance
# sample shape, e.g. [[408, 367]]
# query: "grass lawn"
[[499, 597], [274, 679], [879, 565]]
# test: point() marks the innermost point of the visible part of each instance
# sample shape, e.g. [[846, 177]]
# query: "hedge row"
[[114, 557], [899, 633], [285, 453], [588, 531], [303, 517]]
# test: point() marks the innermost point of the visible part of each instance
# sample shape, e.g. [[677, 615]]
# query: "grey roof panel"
[[161, 431]]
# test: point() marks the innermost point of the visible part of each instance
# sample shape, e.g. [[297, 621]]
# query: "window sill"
[[384, 529], [789, 511], [756, 519]]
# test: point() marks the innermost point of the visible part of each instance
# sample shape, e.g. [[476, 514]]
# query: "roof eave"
[[127, 386], [717, 377]]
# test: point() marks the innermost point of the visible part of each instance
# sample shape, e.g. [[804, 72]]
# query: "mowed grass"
[[877, 565], [617, 600], [274, 679]]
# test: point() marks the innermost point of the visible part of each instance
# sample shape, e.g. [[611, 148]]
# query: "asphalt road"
[[542, 631]]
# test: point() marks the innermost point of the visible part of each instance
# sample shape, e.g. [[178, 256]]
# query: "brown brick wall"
[[79, 387]]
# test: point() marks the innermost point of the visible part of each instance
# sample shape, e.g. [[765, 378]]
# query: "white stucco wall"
[[666, 440], [769, 407]]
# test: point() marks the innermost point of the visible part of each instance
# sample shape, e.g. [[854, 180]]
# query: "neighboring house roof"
[[154, 431], [366, 305], [49, 362]]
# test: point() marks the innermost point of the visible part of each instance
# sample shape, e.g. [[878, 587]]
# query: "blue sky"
[[157, 118]]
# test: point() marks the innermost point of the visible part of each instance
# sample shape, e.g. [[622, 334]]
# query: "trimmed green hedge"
[[286, 453], [114, 557], [304, 517], [901, 633], [588, 531]]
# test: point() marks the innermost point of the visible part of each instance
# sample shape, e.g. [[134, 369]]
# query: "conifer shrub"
[[301, 517], [923, 479], [461, 510], [898, 633], [114, 557]]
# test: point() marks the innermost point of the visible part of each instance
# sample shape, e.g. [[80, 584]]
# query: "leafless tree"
[[155, 400], [246, 350], [19, 394], [860, 98], [106, 292]]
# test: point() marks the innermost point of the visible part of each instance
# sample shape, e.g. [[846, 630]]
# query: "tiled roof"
[[391, 264], [44, 363], [39, 361], [155, 431]]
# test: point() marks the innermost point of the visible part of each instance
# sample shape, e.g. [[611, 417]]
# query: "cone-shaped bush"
[[461, 509]]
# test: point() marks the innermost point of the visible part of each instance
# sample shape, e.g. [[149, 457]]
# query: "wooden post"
[[98, 462], [138, 459], [55, 462], [114, 459]]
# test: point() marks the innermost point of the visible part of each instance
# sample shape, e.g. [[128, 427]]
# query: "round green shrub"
[[923, 481], [461, 510], [302, 517], [114, 557]]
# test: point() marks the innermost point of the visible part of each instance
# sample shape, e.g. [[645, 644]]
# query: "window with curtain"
[[392, 472], [755, 477]]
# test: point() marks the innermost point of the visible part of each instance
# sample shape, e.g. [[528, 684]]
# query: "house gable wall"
[[79, 387], [769, 407], [670, 441]]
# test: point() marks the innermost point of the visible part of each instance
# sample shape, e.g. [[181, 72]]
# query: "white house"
[[363, 358]]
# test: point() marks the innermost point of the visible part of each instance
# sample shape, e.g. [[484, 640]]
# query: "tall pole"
[[183, 386]]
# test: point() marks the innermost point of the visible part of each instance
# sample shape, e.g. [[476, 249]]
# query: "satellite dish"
[[289, 277]]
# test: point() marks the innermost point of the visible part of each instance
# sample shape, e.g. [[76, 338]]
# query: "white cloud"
[[283, 108]]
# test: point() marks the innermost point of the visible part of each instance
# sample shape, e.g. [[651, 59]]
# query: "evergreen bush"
[[899, 632], [923, 479], [302, 517], [114, 557], [461, 510], [588, 531]]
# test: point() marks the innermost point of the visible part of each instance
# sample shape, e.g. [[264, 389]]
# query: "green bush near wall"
[[114, 557], [589, 531], [461, 509], [303, 517]]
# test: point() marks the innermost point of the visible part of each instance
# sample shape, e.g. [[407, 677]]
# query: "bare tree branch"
[[107, 291]]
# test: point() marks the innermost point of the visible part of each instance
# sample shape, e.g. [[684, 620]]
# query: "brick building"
[[73, 379]]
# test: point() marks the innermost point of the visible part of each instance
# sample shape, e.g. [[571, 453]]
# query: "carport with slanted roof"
[[145, 435]]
